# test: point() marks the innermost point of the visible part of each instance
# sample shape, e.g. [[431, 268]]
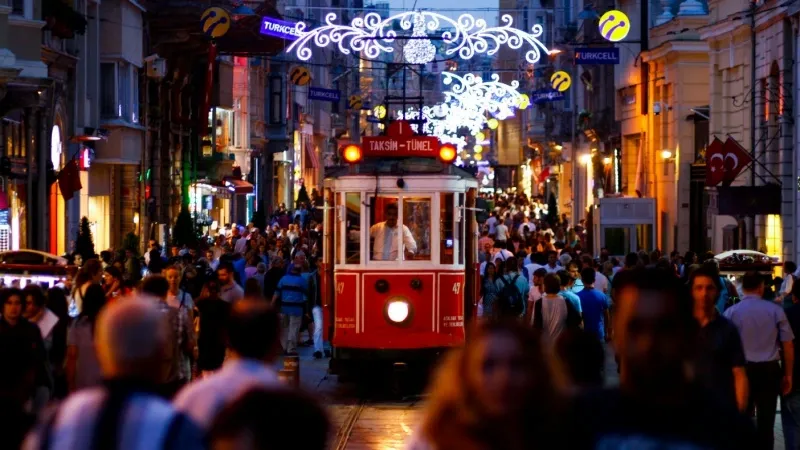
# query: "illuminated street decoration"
[[614, 25], [372, 35], [493, 97]]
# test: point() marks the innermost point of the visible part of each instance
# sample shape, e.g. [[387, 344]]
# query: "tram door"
[[326, 271]]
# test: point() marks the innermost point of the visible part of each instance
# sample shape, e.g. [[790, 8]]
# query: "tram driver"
[[384, 236]]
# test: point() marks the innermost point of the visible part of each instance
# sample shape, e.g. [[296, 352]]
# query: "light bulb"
[[493, 124], [478, 148]]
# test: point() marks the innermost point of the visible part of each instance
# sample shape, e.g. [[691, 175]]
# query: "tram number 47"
[[457, 287]]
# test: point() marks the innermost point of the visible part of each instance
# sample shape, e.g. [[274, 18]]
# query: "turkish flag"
[[714, 163], [544, 175], [735, 159], [69, 180]]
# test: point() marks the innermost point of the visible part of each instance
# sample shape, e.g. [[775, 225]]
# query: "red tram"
[[400, 251]]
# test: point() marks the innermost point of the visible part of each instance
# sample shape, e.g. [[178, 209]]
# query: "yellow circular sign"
[[300, 76], [560, 81], [524, 101], [216, 22], [614, 25], [355, 102]]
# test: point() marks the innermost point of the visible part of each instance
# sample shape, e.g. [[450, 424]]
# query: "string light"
[[419, 51], [372, 35]]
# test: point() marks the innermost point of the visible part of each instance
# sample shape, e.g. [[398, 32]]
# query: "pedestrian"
[[494, 393], [180, 340], [230, 291], [181, 300], [252, 334], [22, 352], [720, 356], [90, 273], [657, 404], [790, 403], [57, 303], [54, 337], [82, 366], [513, 288], [112, 282], [489, 290], [595, 307], [550, 313], [292, 293], [123, 412], [271, 418], [765, 333]]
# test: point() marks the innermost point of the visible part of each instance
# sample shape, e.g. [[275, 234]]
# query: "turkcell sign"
[[607, 55], [326, 95], [279, 28], [545, 96]]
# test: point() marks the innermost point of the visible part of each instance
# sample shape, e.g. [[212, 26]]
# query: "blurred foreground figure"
[[658, 403], [124, 413], [495, 393], [253, 340], [271, 419]]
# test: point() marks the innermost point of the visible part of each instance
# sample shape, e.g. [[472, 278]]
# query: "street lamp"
[[585, 159]]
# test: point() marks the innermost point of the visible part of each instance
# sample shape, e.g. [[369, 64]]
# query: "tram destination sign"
[[400, 141]]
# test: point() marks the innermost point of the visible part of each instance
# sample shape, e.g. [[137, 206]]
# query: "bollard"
[[291, 365]]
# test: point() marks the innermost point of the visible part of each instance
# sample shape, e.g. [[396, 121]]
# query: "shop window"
[[384, 229], [774, 235], [417, 223], [352, 228], [446, 229]]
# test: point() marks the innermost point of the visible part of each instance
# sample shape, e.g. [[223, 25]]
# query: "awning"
[[238, 186], [311, 157]]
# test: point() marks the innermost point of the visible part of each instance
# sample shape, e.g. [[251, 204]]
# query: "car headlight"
[[397, 311]]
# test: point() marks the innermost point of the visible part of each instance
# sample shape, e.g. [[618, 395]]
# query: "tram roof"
[[406, 167]]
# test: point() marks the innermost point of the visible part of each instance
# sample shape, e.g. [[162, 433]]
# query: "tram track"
[[370, 424], [346, 429]]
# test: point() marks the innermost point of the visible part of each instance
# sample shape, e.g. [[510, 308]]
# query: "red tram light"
[[352, 153], [447, 153]]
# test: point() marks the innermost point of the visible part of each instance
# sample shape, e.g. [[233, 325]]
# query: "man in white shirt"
[[252, 340], [384, 235], [601, 282], [501, 233], [552, 262]]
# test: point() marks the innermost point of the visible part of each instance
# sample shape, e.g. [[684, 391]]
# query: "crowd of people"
[[181, 353]]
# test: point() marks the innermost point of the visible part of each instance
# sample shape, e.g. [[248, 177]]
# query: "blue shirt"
[[521, 285], [761, 324], [593, 304], [573, 298], [292, 290]]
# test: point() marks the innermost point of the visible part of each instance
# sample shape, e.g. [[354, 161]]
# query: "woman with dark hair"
[[54, 336], [82, 368], [495, 393], [489, 289], [91, 273]]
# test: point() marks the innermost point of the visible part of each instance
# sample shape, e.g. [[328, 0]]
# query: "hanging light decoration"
[[372, 35], [493, 97], [419, 50]]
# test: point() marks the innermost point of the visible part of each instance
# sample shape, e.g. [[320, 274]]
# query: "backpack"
[[509, 300], [574, 318]]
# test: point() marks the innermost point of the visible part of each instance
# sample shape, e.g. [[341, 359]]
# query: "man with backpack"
[[513, 290], [553, 313]]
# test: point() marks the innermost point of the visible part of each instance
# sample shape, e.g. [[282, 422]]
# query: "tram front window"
[[417, 219], [385, 232]]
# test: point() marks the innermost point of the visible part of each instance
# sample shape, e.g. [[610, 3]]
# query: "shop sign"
[[4, 216], [586, 56], [545, 96], [280, 28], [400, 141], [327, 95]]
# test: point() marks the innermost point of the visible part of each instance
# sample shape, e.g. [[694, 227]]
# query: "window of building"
[[352, 228], [18, 7], [119, 91], [446, 228], [108, 91], [417, 227], [275, 104]]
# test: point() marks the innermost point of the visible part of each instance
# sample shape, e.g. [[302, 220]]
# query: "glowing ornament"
[[480, 136], [372, 35], [493, 124], [419, 50], [379, 111], [478, 156], [478, 148], [524, 101], [494, 96]]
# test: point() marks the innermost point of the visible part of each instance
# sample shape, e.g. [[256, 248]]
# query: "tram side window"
[[446, 228], [417, 222], [353, 228], [384, 226]]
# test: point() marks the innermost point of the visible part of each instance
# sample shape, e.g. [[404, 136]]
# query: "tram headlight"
[[398, 311]]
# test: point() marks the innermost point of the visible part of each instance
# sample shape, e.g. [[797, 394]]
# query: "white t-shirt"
[[601, 282], [554, 316], [501, 232]]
